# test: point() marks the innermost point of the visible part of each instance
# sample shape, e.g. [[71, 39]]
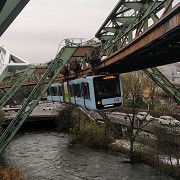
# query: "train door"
[[66, 92]]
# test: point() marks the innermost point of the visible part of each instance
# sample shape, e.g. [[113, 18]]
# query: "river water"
[[50, 155]]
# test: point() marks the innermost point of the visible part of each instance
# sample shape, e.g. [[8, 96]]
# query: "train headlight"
[[99, 102]]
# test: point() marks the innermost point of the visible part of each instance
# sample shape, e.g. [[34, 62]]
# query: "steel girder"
[[24, 77], [164, 83], [128, 20], [108, 122], [11, 79], [9, 10], [53, 71]]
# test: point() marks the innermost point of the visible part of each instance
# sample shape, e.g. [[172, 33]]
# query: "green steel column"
[[9, 11], [108, 122], [24, 77], [55, 67], [164, 83]]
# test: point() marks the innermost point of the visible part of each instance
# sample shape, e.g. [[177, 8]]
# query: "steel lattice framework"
[[128, 20]]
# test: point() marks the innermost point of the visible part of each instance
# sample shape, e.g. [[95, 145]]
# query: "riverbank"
[[152, 150], [164, 163], [44, 153]]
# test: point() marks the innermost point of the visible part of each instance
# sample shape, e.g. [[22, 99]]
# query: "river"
[[45, 154]]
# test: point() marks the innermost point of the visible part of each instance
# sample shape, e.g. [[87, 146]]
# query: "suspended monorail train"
[[55, 93], [93, 92]]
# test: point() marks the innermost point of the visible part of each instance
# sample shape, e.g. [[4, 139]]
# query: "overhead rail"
[[24, 77], [127, 43], [128, 20], [135, 36], [11, 79]]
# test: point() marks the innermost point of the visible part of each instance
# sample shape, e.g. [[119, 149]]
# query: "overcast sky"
[[37, 31]]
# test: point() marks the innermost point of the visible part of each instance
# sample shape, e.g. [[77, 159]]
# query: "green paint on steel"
[[9, 81], [61, 59], [108, 122], [127, 21], [24, 77], [9, 11], [164, 83]]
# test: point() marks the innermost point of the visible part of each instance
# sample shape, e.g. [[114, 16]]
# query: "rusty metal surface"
[[81, 51], [168, 27], [150, 49]]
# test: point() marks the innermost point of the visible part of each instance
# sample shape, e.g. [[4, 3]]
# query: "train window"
[[60, 90], [71, 90], [76, 90], [53, 91], [48, 92], [107, 88], [86, 90]]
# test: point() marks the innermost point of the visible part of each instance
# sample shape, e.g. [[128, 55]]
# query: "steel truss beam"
[[164, 83], [51, 73], [11, 79], [24, 77], [128, 20]]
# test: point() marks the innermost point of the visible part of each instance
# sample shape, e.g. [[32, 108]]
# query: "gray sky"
[[37, 31]]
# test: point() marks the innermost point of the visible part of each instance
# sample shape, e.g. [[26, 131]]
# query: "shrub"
[[65, 119], [95, 135], [8, 174]]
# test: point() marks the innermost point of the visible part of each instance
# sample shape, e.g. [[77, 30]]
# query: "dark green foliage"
[[85, 130], [65, 119], [95, 135]]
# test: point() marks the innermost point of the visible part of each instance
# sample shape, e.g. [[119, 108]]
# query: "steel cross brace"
[[24, 77], [108, 122], [122, 27], [61, 59], [164, 83]]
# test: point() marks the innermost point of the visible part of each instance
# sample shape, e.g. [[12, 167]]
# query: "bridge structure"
[[9, 10], [137, 35], [10, 63]]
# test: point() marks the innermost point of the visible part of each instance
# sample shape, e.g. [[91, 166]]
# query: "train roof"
[[55, 84], [81, 79], [91, 77]]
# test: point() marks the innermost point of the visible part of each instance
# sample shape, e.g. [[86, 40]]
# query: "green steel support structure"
[[108, 122], [61, 59], [24, 77], [128, 20], [9, 10], [164, 83]]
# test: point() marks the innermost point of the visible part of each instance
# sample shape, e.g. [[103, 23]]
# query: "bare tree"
[[134, 84]]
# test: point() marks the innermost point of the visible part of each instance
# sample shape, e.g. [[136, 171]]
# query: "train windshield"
[[107, 87]]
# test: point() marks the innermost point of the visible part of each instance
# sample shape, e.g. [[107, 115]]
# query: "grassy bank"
[[152, 150]]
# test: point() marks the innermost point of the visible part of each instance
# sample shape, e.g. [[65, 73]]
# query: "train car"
[[97, 92], [55, 93]]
